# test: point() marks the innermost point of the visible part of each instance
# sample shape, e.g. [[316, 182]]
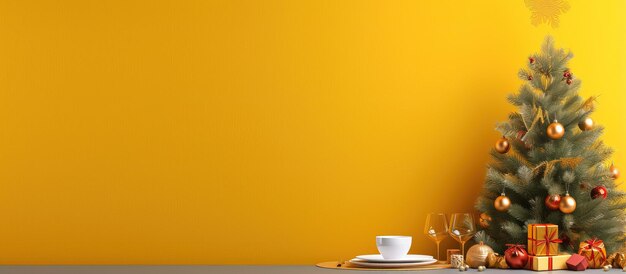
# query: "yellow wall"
[[263, 131]]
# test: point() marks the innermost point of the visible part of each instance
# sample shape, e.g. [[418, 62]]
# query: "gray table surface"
[[274, 269]]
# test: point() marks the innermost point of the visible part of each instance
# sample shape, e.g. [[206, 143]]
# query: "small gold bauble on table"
[[586, 124], [477, 255], [481, 268], [503, 145], [555, 130], [606, 268], [502, 203], [568, 204]]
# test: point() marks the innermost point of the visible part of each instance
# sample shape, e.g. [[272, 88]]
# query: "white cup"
[[393, 247]]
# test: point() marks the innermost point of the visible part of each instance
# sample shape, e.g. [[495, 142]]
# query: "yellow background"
[[263, 132]]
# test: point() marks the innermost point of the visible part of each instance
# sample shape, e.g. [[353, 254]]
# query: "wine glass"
[[462, 228], [436, 228]]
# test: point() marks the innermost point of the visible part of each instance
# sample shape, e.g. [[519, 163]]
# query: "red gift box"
[[577, 262]]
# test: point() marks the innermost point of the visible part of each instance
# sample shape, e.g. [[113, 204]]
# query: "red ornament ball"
[[520, 134], [516, 256], [599, 191], [531, 60], [567, 74], [552, 201], [530, 77], [568, 81]]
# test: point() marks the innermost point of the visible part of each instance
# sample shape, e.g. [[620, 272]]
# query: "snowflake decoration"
[[546, 11]]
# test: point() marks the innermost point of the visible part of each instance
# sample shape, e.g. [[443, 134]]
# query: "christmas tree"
[[550, 166]]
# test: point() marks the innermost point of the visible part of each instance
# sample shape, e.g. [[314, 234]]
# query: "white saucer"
[[359, 262], [410, 258]]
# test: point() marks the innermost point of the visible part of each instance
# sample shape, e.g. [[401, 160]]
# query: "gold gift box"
[[594, 252], [543, 239], [544, 263]]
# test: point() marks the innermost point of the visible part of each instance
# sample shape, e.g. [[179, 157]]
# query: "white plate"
[[410, 258], [359, 262]]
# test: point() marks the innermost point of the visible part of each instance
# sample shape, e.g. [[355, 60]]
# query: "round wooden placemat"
[[349, 266]]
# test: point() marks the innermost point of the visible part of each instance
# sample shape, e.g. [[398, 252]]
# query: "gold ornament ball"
[[502, 203], [484, 220], [555, 130], [477, 255], [568, 204], [614, 172], [503, 145], [586, 124], [606, 268], [481, 268], [462, 268], [624, 269]]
